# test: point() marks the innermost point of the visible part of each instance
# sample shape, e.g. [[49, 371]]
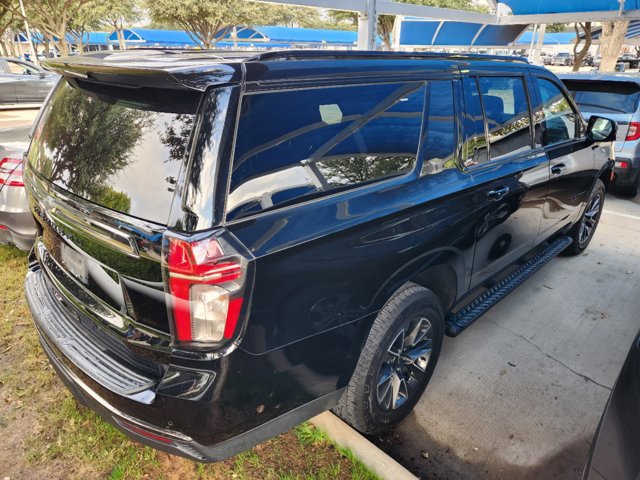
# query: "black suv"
[[230, 244]]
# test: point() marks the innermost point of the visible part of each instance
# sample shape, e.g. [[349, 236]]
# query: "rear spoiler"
[[151, 70]]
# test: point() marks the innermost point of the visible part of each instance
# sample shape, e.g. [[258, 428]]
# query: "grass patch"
[[64, 440]]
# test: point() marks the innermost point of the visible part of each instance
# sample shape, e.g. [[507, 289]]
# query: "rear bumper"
[[17, 226], [20, 240], [163, 421], [625, 177]]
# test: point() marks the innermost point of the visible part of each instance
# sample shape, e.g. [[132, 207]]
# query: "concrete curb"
[[375, 459]]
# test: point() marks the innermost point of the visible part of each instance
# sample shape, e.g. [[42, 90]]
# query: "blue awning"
[[416, 32], [531, 7], [153, 37], [559, 38]]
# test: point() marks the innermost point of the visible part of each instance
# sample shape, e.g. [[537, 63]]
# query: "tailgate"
[[102, 168]]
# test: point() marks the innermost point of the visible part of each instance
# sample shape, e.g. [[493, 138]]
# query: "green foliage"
[[308, 435], [556, 27]]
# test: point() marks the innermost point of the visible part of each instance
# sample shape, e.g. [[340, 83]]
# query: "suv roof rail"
[[359, 54]]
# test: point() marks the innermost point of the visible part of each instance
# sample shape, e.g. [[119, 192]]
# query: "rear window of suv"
[[604, 96], [297, 145], [121, 148]]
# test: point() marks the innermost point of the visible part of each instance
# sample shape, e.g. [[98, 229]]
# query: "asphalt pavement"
[[519, 394]]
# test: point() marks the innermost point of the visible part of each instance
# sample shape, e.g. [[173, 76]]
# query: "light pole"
[[34, 54]]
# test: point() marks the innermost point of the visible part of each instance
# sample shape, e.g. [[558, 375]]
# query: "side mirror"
[[602, 129]]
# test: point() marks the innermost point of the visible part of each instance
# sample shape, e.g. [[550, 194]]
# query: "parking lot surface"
[[520, 393]]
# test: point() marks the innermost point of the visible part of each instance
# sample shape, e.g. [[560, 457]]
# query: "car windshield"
[[605, 96]]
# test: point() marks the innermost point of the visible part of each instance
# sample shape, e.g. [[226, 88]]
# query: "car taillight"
[[634, 131], [623, 164], [11, 172], [206, 276]]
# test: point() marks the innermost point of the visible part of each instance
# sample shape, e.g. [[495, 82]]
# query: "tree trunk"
[[62, 46], [121, 43], [611, 41], [578, 56]]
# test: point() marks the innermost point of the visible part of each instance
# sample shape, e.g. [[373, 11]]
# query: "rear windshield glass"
[[121, 148], [618, 97]]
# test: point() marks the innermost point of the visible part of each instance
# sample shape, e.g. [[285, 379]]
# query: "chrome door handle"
[[558, 169], [498, 193]]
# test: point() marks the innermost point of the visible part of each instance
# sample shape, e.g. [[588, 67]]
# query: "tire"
[[375, 397], [583, 231]]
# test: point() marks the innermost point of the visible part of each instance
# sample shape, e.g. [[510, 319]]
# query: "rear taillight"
[[11, 172], [624, 164], [634, 131], [206, 276]]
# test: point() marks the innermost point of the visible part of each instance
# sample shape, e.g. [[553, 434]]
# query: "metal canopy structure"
[[632, 37], [506, 12], [419, 33]]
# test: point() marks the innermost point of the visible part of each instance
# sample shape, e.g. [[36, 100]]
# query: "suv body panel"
[[323, 267]]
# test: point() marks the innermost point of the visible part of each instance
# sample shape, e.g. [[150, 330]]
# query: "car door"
[[7, 85], [30, 86], [561, 132], [510, 175]]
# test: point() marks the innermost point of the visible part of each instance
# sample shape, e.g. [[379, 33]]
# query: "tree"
[[611, 41], [85, 21], [578, 55], [387, 22], [51, 17], [556, 27], [202, 20], [9, 24], [116, 14]]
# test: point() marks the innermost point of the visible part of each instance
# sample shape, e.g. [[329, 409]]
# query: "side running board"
[[457, 322]]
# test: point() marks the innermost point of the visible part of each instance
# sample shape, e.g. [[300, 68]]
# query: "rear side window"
[[440, 128], [507, 113], [558, 118], [475, 150], [605, 97], [297, 145]]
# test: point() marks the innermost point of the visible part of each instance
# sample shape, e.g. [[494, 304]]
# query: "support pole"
[[536, 54], [34, 54], [367, 27], [533, 39]]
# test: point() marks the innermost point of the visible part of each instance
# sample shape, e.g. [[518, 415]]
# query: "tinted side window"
[[558, 118], [475, 144], [21, 69], [297, 145], [440, 128], [507, 112]]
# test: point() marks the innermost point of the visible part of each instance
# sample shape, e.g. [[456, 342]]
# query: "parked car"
[[562, 58], [629, 59], [616, 96], [597, 61], [546, 58], [23, 82], [231, 243], [614, 451], [588, 60], [17, 226]]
